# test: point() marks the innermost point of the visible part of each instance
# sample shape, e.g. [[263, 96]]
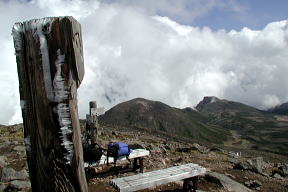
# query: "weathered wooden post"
[[49, 56], [92, 122]]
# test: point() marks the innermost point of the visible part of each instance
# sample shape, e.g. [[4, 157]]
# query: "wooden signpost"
[[49, 56], [92, 122]]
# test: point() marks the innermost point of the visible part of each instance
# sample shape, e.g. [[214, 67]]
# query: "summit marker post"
[[49, 55]]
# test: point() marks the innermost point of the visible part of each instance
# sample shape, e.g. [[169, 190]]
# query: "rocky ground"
[[227, 171]]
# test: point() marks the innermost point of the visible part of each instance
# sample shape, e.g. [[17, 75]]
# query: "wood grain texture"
[[49, 55], [158, 177]]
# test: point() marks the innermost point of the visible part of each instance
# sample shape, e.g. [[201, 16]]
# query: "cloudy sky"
[[173, 51]]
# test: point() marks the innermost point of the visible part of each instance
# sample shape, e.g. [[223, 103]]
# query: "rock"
[[277, 176], [196, 147], [257, 164], [284, 170], [20, 184], [226, 182], [200, 148], [2, 187], [234, 160], [229, 175], [19, 148], [254, 165], [163, 162], [9, 174], [234, 155], [253, 184], [21, 175], [217, 149], [3, 160]]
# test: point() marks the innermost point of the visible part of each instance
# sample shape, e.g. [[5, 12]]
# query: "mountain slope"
[[159, 117], [280, 109], [264, 131]]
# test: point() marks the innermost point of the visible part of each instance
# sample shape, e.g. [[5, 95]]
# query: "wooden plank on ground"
[[158, 177]]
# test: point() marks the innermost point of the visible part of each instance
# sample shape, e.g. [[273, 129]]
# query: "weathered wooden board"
[[158, 177], [92, 125], [49, 55]]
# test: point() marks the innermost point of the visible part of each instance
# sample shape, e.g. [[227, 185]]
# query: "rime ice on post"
[[49, 57]]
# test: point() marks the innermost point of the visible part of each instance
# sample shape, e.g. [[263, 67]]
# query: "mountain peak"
[[280, 109], [206, 100]]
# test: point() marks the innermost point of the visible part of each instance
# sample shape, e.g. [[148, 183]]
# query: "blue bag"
[[119, 149]]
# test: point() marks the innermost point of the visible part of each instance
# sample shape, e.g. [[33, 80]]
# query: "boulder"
[[226, 182], [254, 165], [9, 174], [20, 185]]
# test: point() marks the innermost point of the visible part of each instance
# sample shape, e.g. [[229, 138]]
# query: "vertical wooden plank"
[[92, 122], [49, 55]]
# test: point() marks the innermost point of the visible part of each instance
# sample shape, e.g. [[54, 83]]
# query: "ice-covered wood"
[[49, 55], [158, 177]]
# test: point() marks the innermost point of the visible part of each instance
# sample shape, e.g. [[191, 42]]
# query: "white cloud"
[[129, 53]]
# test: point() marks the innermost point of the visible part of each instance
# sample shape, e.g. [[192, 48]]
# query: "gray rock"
[[2, 187], [195, 147], [200, 148], [21, 175], [234, 160], [19, 148], [257, 164], [284, 169], [253, 184], [277, 176], [9, 174], [226, 182], [254, 165], [3, 160], [20, 184]]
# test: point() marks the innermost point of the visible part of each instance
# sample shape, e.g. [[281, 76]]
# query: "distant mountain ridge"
[[262, 129], [158, 116], [280, 109], [215, 121]]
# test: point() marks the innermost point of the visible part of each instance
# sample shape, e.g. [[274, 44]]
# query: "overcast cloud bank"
[[129, 52]]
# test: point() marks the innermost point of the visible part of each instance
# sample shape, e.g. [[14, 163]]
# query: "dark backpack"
[[92, 153]]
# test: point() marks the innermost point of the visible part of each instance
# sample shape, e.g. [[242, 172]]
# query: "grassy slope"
[[262, 129]]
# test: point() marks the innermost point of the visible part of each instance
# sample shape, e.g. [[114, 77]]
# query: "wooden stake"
[[92, 122], [49, 55]]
